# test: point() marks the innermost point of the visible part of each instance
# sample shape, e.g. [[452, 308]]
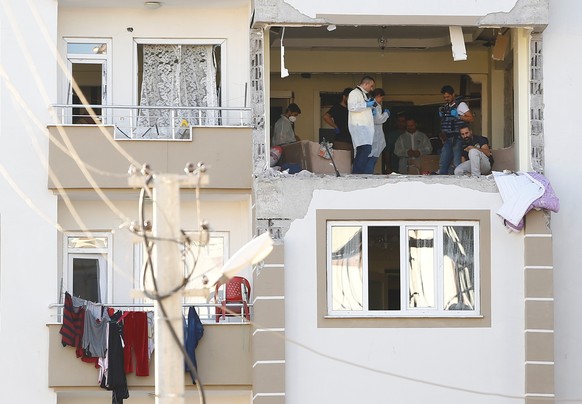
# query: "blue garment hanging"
[[193, 332]]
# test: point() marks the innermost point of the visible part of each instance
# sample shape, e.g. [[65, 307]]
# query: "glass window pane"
[[89, 78], [384, 268], [204, 263], [459, 267], [86, 279], [421, 268], [346, 268], [87, 48], [86, 242]]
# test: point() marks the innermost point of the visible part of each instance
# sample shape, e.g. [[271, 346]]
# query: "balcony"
[[223, 355], [118, 137], [138, 122]]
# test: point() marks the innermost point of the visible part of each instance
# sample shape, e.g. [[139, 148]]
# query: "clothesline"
[[114, 340], [148, 305], [206, 310]]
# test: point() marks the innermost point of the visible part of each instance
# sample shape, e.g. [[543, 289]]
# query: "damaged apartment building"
[[403, 288], [310, 58], [351, 246]]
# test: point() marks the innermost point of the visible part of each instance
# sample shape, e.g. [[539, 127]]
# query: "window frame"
[[483, 217], [102, 254], [87, 58], [180, 41], [194, 296], [191, 295], [437, 226]]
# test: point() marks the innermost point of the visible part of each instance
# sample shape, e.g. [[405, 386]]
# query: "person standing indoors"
[[477, 157], [361, 123], [284, 131], [453, 114], [389, 159], [379, 141], [411, 144], [337, 118]]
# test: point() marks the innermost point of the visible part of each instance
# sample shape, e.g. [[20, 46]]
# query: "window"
[[88, 63], [403, 268], [177, 74], [87, 262], [206, 261], [398, 268]]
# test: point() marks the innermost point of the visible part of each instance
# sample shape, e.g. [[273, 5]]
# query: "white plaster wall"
[[230, 24], [421, 365], [562, 87], [27, 216], [232, 217]]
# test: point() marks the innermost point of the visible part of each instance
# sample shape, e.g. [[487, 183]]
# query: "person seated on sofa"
[[476, 158], [412, 143], [284, 131]]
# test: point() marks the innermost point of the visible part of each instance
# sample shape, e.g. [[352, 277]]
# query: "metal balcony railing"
[[206, 311], [135, 122]]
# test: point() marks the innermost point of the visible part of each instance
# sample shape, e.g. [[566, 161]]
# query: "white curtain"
[[174, 76], [459, 267], [347, 268], [421, 268]]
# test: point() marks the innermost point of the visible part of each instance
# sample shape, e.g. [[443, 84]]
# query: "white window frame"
[[140, 258], [216, 235], [80, 58], [405, 311], [104, 255]]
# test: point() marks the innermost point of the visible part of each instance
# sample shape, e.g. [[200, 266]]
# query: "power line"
[[85, 170]]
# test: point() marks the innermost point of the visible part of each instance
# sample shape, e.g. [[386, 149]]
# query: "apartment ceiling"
[[313, 37], [142, 4], [407, 37]]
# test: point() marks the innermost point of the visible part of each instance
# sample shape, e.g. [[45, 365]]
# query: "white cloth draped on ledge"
[[522, 192]]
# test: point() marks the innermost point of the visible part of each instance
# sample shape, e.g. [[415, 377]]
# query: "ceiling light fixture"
[[331, 27], [152, 4], [382, 41]]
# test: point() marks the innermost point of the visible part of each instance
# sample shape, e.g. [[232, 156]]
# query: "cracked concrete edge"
[[525, 13], [290, 197], [269, 12]]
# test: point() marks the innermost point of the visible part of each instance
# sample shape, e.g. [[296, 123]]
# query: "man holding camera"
[[453, 114], [361, 123]]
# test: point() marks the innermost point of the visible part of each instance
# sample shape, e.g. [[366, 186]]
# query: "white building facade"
[[313, 337]]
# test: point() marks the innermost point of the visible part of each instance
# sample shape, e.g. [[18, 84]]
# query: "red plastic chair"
[[237, 290]]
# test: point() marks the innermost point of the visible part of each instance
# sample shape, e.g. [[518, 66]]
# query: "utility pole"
[[168, 273], [169, 362]]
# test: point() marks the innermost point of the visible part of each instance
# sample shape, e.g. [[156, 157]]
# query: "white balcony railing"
[[206, 311], [134, 122]]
